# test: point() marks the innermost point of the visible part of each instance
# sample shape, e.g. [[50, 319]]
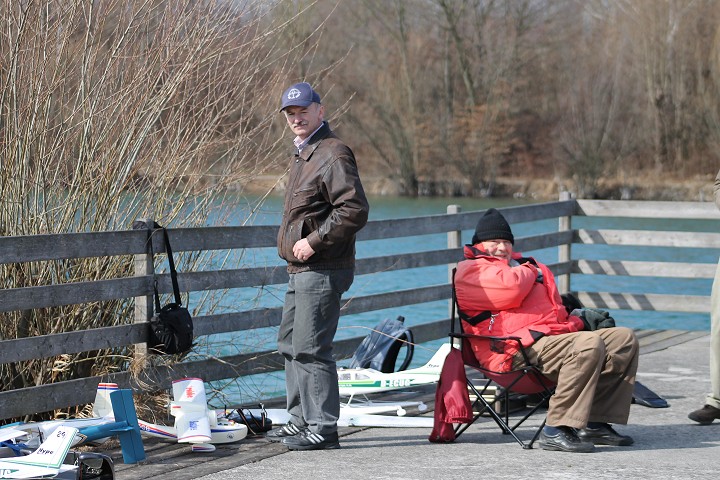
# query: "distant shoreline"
[[698, 189]]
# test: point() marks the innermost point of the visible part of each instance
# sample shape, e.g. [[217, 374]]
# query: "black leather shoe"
[[307, 440], [286, 431], [705, 415], [605, 435], [566, 440]]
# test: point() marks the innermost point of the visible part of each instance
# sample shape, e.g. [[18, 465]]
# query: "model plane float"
[[362, 381]]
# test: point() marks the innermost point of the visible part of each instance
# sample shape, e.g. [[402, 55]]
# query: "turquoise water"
[[249, 389]]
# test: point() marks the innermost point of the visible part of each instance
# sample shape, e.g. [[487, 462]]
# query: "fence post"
[[143, 305], [564, 253]]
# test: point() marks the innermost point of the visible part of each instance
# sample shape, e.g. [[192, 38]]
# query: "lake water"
[[250, 389]]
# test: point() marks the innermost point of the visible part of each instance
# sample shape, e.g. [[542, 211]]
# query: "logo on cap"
[[293, 94]]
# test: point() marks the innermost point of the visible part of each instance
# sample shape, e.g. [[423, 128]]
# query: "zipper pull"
[[492, 321]]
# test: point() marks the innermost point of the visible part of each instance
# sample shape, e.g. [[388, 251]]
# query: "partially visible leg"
[[711, 409], [613, 394], [713, 398], [574, 361], [285, 348]]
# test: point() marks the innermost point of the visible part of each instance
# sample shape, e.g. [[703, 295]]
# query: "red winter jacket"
[[520, 306]]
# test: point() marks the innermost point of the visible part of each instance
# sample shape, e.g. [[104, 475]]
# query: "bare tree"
[[117, 110]]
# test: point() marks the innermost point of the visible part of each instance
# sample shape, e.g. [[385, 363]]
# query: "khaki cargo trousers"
[[594, 372]]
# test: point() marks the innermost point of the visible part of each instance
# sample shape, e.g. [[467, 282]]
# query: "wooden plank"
[[31, 248], [431, 224], [72, 293], [365, 266], [45, 346], [676, 338], [222, 238], [396, 299], [648, 238], [226, 278], [237, 321], [646, 301], [648, 209], [545, 240], [645, 269]]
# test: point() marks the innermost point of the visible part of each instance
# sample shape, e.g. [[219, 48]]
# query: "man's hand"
[[302, 250]]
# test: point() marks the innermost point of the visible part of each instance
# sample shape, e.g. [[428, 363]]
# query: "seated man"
[[594, 370]]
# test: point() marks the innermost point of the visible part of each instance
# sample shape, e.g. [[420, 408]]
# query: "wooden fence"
[[560, 236]]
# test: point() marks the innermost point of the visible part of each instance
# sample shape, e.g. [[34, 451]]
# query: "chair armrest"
[[485, 337], [494, 338]]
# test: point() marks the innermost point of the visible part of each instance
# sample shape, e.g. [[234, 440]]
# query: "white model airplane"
[[122, 424], [46, 461], [194, 422], [35, 432], [362, 381]]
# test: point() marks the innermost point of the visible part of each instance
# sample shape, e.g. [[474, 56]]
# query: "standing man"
[[711, 410], [325, 206]]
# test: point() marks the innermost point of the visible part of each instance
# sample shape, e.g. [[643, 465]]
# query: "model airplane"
[[362, 381], [123, 424], [36, 432], [194, 422]]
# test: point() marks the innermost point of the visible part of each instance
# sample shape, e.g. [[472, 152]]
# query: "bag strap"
[[171, 262]]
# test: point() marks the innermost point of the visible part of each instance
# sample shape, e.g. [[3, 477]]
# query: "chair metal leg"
[[481, 405]]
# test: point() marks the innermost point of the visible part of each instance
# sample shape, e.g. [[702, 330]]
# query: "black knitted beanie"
[[492, 225]]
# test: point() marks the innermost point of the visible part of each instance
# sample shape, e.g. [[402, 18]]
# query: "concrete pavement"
[[667, 444]]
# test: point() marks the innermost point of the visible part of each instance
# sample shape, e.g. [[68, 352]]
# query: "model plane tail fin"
[[125, 427], [437, 361], [51, 453], [102, 406]]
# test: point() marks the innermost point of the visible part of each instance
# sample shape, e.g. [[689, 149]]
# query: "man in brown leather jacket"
[[325, 206]]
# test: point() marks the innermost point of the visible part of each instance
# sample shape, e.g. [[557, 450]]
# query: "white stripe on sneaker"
[[315, 438], [290, 429]]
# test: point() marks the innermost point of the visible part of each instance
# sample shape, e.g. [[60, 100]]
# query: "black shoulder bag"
[[171, 328]]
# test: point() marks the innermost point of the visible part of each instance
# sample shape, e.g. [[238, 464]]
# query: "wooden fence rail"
[[555, 233]]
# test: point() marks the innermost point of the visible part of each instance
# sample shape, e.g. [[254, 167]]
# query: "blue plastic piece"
[[125, 427]]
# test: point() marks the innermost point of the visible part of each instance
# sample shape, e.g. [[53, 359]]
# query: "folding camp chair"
[[526, 380]]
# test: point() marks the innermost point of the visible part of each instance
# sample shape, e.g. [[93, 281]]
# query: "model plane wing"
[[9, 433], [46, 461]]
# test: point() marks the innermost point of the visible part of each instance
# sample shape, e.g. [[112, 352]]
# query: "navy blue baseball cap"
[[299, 95]]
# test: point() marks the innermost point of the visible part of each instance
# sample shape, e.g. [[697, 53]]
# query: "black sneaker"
[[286, 431], [307, 440]]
